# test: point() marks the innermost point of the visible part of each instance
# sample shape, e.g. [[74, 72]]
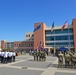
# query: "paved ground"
[[25, 65]]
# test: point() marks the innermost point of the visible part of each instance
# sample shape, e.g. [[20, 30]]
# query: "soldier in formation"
[[74, 61], [69, 58], [40, 55], [60, 59]]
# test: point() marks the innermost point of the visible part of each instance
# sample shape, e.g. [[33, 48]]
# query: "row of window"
[[61, 43], [65, 37], [30, 35], [24, 50], [29, 39], [24, 45], [59, 31]]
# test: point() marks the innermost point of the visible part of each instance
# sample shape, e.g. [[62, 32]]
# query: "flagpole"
[[54, 42], [41, 37], [53, 29], [69, 38], [65, 24]]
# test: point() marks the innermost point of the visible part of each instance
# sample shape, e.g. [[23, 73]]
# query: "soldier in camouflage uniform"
[[74, 60], [34, 55], [42, 55], [37, 55], [71, 57], [67, 59], [60, 59]]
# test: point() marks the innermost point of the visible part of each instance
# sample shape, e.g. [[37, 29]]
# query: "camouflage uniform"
[[60, 60], [37, 55], [42, 56], [71, 57], [34, 55], [67, 59], [74, 60]]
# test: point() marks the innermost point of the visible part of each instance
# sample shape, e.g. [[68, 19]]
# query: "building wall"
[[39, 35], [58, 38], [23, 45], [3, 44], [9, 45], [29, 36], [74, 33], [18, 45]]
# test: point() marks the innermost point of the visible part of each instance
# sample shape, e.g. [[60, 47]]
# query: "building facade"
[[18, 46], [23, 46], [52, 41], [29, 36], [7, 45], [3, 44]]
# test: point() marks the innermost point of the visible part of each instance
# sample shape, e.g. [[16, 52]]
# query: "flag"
[[37, 28], [37, 46], [52, 28], [41, 45], [65, 25]]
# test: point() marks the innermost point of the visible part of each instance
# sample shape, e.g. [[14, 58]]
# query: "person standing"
[[5, 56], [67, 59], [2, 56], [60, 59], [10, 56], [13, 55]]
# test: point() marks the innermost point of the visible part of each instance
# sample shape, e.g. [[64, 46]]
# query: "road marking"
[[66, 71], [17, 67], [40, 69], [50, 70]]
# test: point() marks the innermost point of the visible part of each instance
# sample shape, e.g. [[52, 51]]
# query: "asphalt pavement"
[[25, 65]]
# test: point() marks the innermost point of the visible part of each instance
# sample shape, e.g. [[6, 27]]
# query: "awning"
[[63, 49]]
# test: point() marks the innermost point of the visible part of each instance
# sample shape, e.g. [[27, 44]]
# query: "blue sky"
[[18, 16]]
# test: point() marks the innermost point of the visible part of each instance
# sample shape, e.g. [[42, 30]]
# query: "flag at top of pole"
[[52, 28], [65, 25]]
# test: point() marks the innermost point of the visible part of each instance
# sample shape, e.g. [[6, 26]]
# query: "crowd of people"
[[7, 56], [67, 59]]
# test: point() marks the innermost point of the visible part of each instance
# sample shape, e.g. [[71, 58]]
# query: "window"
[[29, 44], [48, 32], [49, 43], [70, 30], [27, 35], [32, 35], [19, 44], [14, 44], [24, 44], [71, 37], [71, 43], [49, 38]]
